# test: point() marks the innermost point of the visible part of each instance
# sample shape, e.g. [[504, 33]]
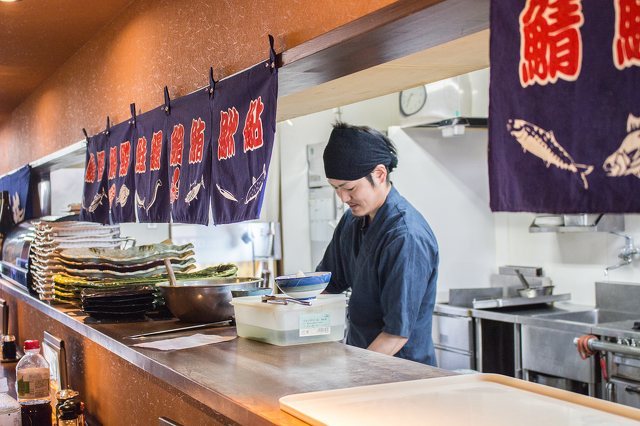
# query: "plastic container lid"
[[320, 300], [31, 344]]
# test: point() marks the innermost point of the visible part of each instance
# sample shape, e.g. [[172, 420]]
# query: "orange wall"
[[154, 43]]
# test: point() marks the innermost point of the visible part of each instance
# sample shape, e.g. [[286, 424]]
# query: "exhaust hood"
[[454, 104]]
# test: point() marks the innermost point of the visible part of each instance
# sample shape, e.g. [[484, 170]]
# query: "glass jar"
[[9, 348], [69, 410]]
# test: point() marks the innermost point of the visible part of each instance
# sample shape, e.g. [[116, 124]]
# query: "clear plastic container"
[[32, 375], [9, 407], [291, 324]]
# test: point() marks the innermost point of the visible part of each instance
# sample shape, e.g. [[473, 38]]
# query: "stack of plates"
[[73, 208], [118, 303], [106, 269], [53, 237]]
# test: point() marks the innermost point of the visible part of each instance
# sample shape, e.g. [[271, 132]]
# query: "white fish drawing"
[[97, 201], [195, 189], [256, 185], [625, 160], [17, 212], [123, 195], [226, 194], [543, 144], [155, 195], [139, 201]]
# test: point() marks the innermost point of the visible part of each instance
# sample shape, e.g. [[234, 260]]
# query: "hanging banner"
[[120, 179], [188, 131], [564, 116], [95, 201], [17, 184], [244, 124], [151, 168]]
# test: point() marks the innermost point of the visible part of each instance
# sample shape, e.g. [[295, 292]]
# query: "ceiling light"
[[9, 1]]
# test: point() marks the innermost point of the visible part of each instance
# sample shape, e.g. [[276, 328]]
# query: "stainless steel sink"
[[593, 316]]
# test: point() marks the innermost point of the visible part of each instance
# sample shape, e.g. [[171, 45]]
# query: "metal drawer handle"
[[633, 389]]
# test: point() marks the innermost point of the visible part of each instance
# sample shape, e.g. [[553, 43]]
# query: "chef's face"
[[362, 196]]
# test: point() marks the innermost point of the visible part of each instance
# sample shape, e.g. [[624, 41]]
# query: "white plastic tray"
[[475, 399]]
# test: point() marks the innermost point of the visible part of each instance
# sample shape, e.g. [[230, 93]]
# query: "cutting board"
[[475, 399]]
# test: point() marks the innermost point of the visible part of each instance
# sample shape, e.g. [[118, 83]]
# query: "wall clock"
[[412, 100]]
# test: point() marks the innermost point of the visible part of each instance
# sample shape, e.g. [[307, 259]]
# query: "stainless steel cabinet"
[[453, 339], [549, 356], [624, 392]]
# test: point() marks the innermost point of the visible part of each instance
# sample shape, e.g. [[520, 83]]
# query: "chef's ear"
[[380, 174]]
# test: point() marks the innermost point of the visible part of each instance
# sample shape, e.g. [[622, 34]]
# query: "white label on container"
[[32, 383], [315, 324]]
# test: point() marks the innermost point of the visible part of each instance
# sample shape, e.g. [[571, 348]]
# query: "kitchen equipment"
[[466, 296], [132, 302], [528, 271], [549, 357], [180, 329], [170, 274], [508, 302], [623, 364], [325, 207], [578, 223], [291, 324], [205, 300], [529, 291], [453, 338], [15, 253], [256, 292], [478, 399], [283, 300], [303, 286]]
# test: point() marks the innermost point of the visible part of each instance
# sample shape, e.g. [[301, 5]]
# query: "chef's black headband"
[[353, 152]]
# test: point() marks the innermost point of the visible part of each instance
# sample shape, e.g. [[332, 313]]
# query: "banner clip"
[[167, 101], [132, 107], [212, 83], [272, 54]]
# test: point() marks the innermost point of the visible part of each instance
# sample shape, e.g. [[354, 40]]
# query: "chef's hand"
[[387, 343]]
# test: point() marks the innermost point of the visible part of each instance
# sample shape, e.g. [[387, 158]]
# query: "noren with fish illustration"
[[543, 144]]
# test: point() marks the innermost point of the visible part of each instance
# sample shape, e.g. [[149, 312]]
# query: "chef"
[[382, 249]]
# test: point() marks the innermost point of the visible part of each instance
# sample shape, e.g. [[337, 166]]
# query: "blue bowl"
[[303, 287]]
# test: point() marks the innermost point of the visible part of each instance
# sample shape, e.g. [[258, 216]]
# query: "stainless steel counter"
[[523, 314], [620, 329], [240, 379]]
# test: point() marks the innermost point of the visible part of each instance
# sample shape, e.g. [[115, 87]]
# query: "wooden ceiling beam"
[[396, 31]]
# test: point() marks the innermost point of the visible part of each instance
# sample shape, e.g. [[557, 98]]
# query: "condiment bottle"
[[32, 386], [9, 347], [69, 408]]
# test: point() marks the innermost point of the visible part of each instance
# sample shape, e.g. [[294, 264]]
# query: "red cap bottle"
[[31, 344]]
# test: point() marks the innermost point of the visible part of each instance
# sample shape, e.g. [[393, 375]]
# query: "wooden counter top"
[[240, 379]]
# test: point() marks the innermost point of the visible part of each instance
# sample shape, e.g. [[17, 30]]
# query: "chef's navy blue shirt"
[[391, 265]]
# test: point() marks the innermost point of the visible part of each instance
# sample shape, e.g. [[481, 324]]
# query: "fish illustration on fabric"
[[139, 201], [226, 194], [97, 201], [195, 189], [256, 185], [543, 144], [17, 212], [625, 160], [155, 195], [123, 195]]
